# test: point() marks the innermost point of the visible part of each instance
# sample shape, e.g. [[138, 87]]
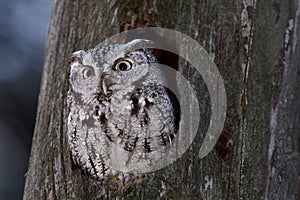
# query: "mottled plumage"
[[122, 118]]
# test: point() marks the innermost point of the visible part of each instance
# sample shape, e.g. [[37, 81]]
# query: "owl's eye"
[[87, 72], [122, 65]]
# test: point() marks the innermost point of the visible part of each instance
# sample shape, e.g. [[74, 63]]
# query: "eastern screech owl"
[[121, 116]]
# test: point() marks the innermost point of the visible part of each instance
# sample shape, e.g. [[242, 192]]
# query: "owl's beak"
[[106, 81]]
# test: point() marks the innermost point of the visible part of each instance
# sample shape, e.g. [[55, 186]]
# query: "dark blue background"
[[23, 33]]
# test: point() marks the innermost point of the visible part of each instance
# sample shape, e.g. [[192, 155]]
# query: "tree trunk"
[[255, 45]]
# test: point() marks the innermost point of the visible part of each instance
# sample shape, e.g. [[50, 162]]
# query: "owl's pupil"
[[89, 73], [123, 66]]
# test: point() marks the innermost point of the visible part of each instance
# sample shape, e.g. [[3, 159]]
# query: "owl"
[[122, 118]]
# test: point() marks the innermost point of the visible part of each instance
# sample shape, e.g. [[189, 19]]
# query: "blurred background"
[[23, 34]]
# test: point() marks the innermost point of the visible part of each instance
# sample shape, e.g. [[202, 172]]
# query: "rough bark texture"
[[255, 45]]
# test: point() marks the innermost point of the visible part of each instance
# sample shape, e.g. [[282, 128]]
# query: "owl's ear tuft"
[[139, 44], [77, 57]]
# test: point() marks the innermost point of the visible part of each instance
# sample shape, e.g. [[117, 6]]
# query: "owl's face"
[[114, 67]]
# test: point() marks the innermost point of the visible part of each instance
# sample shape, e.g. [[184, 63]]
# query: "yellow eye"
[[122, 65]]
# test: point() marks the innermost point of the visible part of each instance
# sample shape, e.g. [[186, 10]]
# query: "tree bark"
[[255, 45]]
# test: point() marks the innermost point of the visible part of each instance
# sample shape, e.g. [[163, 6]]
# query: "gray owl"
[[121, 116]]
